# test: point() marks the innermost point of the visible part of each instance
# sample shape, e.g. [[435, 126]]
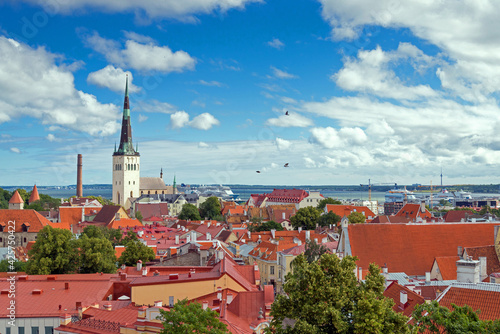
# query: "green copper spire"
[[126, 147]]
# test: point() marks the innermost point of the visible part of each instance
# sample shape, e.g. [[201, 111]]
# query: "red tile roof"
[[394, 290], [30, 218], [16, 198], [454, 216], [346, 210], [124, 222], [34, 195], [152, 209], [487, 300], [411, 248], [492, 261], [74, 214], [447, 267], [107, 214], [390, 219], [414, 211], [287, 196]]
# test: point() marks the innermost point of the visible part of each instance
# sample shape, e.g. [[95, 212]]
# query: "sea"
[[243, 192]]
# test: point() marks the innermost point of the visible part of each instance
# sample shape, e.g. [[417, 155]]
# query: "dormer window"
[[26, 227]]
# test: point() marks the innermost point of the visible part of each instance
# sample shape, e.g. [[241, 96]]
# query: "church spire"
[[126, 147]]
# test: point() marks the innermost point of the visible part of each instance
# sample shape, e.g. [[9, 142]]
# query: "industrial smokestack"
[[79, 186]]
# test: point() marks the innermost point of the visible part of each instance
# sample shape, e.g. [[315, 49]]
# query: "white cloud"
[[179, 119], [282, 74], [32, 84], [276, 43], [112, 78], [15, 150], [140, 56], [283, 144], [371, 73], [52, 138], [155, 106], [332, 138], [175, 9], [204, 121], [290, 120], [211, 83], [142, 118], [309, 163]]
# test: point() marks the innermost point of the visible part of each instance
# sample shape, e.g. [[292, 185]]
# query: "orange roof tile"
[[414, 211], [16, 198], [34, 195], [124, 222], [394, 290], [30, 218], [447, 267], [487, 300], [62, 225], [411, 248], [346, 210]]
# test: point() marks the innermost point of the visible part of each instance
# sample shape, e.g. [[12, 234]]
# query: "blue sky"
[[387, 91]]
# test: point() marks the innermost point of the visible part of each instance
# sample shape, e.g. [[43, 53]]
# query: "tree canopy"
[[96, 255], [322, 204], [328, 219], [356, 218], [187, 317], [189, 212], [325, 297], [306, 218], [5, 196], [313, 250], [265, 226], [54, 252], [135, 251], [210, 209], [433, 318]]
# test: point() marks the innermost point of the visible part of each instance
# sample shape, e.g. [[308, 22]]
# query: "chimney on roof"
[[468, 271], [193, 236], [483, 266], [158, 303], [79, 184], [66, 286], [64, 319], [209, 236], [403, 298], [139, 265], [427, 277], [108, 307], [176, 239], [123, 276], [422, 207], [273, 233], [308, 236], [124, 266], [145, 272], [300, 229]]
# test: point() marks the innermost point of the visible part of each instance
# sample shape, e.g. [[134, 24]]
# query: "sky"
[[388, 91]]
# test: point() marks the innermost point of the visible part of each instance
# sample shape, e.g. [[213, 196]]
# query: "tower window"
[[134, 182], [128, 182]]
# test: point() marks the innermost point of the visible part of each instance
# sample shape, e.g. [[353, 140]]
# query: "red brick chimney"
[[79, 186]]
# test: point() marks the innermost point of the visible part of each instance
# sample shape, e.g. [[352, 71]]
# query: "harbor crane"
[[375, 184]]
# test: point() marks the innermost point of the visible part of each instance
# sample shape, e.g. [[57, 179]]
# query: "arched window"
[[131, 194]]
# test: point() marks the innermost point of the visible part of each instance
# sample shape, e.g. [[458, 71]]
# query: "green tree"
[[266, 226], [325, 297], [18, 266], [135, 251], [138, 216], [328, 219], [433, 318], [313, 250], [5, 196], [356, 218], [92, 231], [189, 212], [114, 235], [54, 252], [322, 204], [210, 209], [96, 254], [187, 317], [307, 218]]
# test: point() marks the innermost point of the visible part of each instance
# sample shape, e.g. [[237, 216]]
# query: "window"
[[34, 330], [271, 271], [128, 182], [7, 330], [49, 330], [21, 330]]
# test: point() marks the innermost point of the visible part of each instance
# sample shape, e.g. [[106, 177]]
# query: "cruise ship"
[[399, 195]]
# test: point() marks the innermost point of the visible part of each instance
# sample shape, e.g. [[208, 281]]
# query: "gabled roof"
[[492, 261], [411, 248], [481, 296], [16, 198], [390, 219], [152, 183], [394, 290], [454, 216], [346, 210], [414, 211], [287, 195], [152, 209], [124, 222], [30, 218], [34, 195], [107, 214], [447, 267]]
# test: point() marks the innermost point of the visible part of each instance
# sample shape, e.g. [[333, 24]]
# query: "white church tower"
[[126, 162]]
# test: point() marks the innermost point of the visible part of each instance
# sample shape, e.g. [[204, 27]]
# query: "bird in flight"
[[286, 165], [286, 113], [258, 171]]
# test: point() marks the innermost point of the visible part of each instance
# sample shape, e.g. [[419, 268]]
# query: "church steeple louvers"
[[126, 161]]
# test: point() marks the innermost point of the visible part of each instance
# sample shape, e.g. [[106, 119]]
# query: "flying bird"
[[258, 171], [286, 113], [286, 165]]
